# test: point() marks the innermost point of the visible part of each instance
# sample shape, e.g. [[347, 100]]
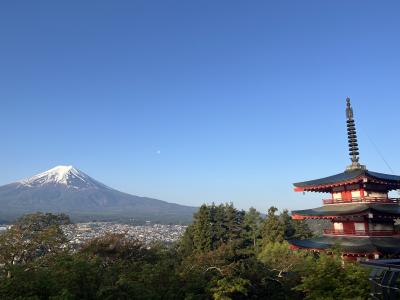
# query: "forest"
[[224, 254]]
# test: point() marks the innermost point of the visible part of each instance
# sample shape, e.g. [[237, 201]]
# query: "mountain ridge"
[[69, 190]]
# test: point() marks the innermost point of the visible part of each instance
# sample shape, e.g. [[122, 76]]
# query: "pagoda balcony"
[[363, 200], [361, 232]]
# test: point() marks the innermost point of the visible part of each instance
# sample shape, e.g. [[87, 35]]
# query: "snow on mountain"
[[62, 175], [67, 189]]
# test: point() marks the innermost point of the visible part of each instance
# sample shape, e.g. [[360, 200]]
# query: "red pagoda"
[[361, 212]]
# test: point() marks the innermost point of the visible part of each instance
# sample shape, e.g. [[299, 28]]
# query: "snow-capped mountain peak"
[[69, 190], [62, 175]]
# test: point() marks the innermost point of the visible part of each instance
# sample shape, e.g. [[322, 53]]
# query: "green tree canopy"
[[328, 277], [33, 236]]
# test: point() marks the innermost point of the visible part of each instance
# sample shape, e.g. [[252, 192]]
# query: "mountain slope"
[[66, 189]]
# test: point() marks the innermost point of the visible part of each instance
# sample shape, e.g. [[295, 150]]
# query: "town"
[[79, 233]]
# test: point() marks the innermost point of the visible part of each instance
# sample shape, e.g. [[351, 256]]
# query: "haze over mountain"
[[69, 190]]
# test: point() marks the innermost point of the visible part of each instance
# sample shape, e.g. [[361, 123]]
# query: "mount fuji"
[[69, 190]]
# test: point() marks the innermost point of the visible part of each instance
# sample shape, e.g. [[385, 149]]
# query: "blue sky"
[[198, 101]]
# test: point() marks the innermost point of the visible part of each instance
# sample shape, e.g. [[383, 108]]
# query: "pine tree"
[[233, 222], [287, 222], [202, 234], [218, 227], [301, 229], [186, 245], [252, 223], [273, 230]]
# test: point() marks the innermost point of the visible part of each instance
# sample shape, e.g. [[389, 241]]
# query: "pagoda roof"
[[357, 245], [337, 210], [348, 177]]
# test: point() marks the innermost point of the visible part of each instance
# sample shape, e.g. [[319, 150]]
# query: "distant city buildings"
[[78, 234]]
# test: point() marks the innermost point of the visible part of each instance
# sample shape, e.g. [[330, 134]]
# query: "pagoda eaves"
[[360, 209], [362, 177], [337, 211]]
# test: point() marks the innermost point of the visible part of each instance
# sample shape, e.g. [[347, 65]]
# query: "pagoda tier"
[[351, 210], [360, 209], [358, 179], [369, 247]]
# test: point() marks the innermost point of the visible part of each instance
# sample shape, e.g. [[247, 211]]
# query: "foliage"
[[277, 228], [273, 228], [279, 258], [252, 222], [39, 221], [113, 247], [329, 277], [225, 254], [212, 227], [301, 230], [31, 238], [227, 288], [202, 235]]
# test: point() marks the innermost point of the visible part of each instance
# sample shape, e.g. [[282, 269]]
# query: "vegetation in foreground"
[[224, 254]]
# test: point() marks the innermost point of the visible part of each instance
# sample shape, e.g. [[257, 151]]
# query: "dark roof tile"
[[388, 245], [349, 209], [346, 176]]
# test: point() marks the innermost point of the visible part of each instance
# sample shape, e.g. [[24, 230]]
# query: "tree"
[[252, 223], [32, 237], [301, 230], [219, 227], [287, 223], [279, 258], [277, 228], [212, 227], [228, 288], [185, 245], [38, 221], [273, 230], [113, 247], [235, 230], [328, 277], [202, 234]]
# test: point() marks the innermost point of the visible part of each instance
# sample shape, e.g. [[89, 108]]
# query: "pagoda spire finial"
[[352, 138]]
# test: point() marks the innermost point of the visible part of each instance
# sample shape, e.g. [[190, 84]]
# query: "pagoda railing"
[[361, 232], [363, 200]]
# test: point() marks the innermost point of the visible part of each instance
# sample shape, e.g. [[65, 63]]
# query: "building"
[[360, 209]]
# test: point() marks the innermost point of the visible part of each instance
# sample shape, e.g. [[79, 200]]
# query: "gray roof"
[[384, 245], [350, 209], [349, 175]]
